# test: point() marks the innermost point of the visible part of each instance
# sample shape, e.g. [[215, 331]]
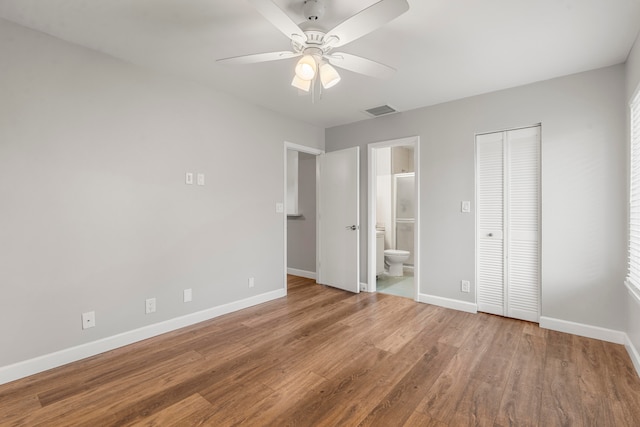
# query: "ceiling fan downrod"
[[313, 9]]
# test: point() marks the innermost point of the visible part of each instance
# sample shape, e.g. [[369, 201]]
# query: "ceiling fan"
[[316, 46]]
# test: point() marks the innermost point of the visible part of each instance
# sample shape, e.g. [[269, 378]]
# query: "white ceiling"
[[443, 49]]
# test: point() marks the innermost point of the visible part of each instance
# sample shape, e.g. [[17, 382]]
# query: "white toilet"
[[394, 259]]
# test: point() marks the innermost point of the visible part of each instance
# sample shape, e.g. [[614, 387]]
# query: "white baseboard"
[[301, 273], [633, 354], [42, 363], [583, 330], [449, 303]]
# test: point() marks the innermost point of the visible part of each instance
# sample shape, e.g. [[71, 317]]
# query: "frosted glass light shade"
[[329, 76], [306, 68], [304, 85]]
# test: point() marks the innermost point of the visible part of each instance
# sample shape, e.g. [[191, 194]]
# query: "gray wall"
[[633, 82], [583, 188], [301, 231], [95, 213]]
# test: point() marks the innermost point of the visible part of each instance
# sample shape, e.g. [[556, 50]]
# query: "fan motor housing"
[[314, 39], [313, 9]]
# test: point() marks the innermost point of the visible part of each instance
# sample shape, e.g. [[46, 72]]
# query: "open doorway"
[[393, 214], [300, 207]]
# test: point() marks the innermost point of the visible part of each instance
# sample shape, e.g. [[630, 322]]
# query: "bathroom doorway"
[[393, 214]]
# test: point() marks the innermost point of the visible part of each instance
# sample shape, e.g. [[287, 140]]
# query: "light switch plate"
[[188, 178], [466, 206], [279, 207], [200, 179], [187, 295]]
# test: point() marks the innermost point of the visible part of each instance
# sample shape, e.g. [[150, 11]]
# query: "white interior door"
[[339, 219]]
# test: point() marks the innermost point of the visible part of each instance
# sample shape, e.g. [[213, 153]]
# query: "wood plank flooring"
[[324, 357]]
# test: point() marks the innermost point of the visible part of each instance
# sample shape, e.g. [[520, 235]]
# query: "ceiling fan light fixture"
[[304, 85], [314, 46], [329, 76], [306, 68]]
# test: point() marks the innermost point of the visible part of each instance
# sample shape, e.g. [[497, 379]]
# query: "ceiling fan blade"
[[258, 57], [366, 21], [360, 65], [278, 18]]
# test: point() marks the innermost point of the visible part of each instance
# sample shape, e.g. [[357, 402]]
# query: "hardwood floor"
[[324, 357]]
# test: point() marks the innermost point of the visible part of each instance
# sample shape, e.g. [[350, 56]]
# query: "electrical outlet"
[[465, 286], [251, 282], [88, 319], [187, 295], [150, 306]]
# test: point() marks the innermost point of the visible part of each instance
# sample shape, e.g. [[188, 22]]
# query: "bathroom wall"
[[584, 154], [402, 160], [96, 215], [301, 230]]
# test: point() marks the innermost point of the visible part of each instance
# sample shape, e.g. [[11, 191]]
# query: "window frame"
[[632, 280]]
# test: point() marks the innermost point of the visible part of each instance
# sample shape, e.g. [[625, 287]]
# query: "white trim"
[[318, 231], [453, 304], [633, 353], [589, 331], [302, 273], [633, 291], [631, 349], [371, 217], [303, 148], [48, 361]]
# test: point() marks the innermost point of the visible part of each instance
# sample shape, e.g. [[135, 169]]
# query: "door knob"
[[351, 227]]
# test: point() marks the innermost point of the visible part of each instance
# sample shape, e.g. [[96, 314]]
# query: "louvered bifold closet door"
[[522, 218], [490, 216], [508, 223]]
